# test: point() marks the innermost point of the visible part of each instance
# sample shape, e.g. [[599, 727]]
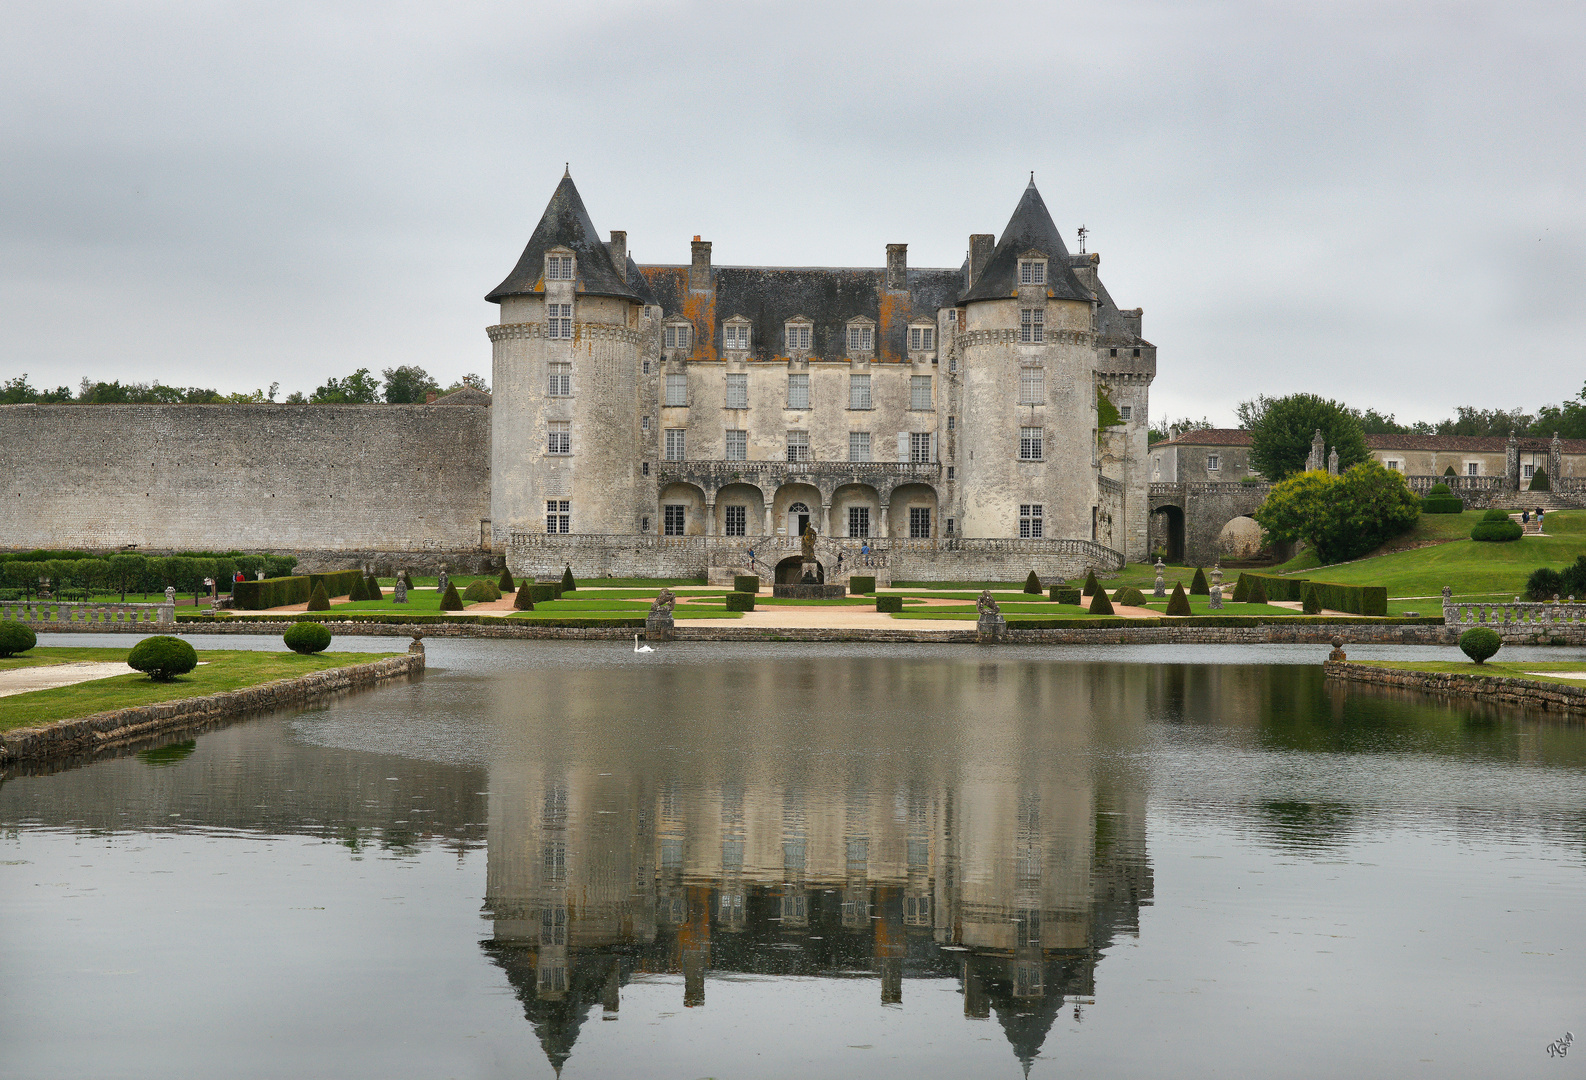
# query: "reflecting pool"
[[816, 860]]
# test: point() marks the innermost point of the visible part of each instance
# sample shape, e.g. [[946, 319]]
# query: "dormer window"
[[922, 338], [735, 334], [558, 268], [800, 335], [861, 337], [679, 335], [1032, 271]]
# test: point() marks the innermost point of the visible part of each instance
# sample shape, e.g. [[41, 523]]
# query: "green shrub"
[[450, 601], [481, 591], [317, 600], [746, 583], [337, 582], [1540, 482], [1439, 489], [861, 586], [524, 600], [1442, 504], [1544, 584], [540, 593], [163, 658], [1450, 471], [373, 587], [1480, 643], [1178, 603], [1198, 586], [1572, 578], [889, 603], [1355, 599], [1099, 604], [1312, 604], [270, 592], [568, 584], [1129, 596], [1496, 531], [1258, 591], [1242, 589], [279, 565], [1496, 515], [359, 589], [1090, 584], [307, 638], [506, 584], [740, 601], [16, 638], [1063, 594], [1032, 584]]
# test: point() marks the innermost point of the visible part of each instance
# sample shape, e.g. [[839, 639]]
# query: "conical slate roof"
[[1030, 228], [565, 223], [641, 287]]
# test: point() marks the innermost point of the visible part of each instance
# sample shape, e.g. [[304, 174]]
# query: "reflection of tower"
[[856, 871], [730, 897], [794, 906]]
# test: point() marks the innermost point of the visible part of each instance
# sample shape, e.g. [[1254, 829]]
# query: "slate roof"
[[640, 287], [565, 223], [1029, 227]]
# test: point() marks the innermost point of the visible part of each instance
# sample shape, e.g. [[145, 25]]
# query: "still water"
[[790, 860]]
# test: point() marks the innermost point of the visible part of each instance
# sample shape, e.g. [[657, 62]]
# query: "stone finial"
[[1161, 586], [1332, 462], [418, 644], [1338, 650], [1448, 591]]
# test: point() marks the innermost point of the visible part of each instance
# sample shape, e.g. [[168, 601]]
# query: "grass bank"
[[1543, 671]]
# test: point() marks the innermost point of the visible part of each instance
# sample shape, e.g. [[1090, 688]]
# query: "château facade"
[[659, 418]]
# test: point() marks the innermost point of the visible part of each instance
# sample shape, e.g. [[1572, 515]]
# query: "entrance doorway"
[[798, 519]]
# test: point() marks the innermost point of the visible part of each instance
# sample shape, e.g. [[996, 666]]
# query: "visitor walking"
[[751, 558], [1539, 519], [864, 547], [1525, 517]]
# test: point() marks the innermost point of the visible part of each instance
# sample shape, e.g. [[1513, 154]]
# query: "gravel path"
[[48, 676]]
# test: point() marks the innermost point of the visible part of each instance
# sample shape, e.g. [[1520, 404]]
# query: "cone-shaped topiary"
[[1540, 482], [450, 601], [307, 638], [1198, 586], [568, 584], [374, 589], [506, 584], [1241, 589], [317, 600], [1480, 643], [16, 638], [1258, 592], [524, 600], [1099, 604], [1178, 603], [1090, 583], [1032, 584], [1450, 471], [163, 658], [359, 590], [1312, 604]]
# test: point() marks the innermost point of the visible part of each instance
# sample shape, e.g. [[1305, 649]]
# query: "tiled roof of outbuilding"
[[1030, 227], [565, 223], [1474, 444], [1209, 437]]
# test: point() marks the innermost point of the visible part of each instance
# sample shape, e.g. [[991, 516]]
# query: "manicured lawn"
[[224, 670], [1517, 669], [969, 614]]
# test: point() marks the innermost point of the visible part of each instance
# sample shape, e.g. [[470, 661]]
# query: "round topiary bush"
[[1129, 596], [481, 591], [1439, 489], [307, 638], [1496, 526], [1480, 643], [163, 658], [16, 638]]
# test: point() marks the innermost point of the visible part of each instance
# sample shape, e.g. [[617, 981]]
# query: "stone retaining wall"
[[1553, 697], [68, 737]]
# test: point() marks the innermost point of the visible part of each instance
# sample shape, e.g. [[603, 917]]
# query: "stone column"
[[769, 531], [1511, 463], [826, 519], [710, 519], [1555, 461], [886, 529]]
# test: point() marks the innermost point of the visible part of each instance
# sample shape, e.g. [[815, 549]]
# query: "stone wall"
[[333, 478], [1553, 697]]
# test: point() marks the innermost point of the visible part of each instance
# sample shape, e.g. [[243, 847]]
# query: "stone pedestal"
[[658, 628], [991, 629]]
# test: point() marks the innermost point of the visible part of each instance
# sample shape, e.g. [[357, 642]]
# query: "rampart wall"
[[323, 478]]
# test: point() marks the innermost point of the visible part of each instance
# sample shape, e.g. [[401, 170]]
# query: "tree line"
[[404, 385]]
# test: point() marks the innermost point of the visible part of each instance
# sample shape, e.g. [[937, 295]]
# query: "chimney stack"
[[699, 269], [619, 252], [898, 267], [981, 245]]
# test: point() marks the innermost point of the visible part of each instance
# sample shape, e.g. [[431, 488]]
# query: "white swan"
[[640, 648]]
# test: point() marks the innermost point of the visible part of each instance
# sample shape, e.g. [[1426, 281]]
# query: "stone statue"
[[987, 604], [1161, 586], [990, 626], [809, 543], [400, 595], [662, 606], [442, 581]]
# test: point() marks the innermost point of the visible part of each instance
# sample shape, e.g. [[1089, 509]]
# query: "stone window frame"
[[681, 331], [675, 444], [922, 447], [559, 322], [1125, 411], [1032, 443], [859, 518], [1032, 384], [800, 379], [559, 379], [915, 383], [1032, 269], [798, 335], [559, 437], [1527, 470], [739, 381], [558, 515], [861, 389], [561, 264], [1032, 521], [1032, 326], [922, 336], [736, 335], [798, 445], [859, 337], [1392, 464], [917, 530], [668, 381], [674, 516], [740, 527], [742, 447], [860, 442], [1472, 468], [1214, 462]]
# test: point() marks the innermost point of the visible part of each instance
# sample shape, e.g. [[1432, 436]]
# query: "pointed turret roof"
[[1030, 228], [565, 223]]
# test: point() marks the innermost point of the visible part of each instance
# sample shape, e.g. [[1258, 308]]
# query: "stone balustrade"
[[57, 612], [1468, 614]]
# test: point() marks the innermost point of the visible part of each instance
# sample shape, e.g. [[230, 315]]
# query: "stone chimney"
[[898, 267], [699, 268], [981, 245], [619, 252]]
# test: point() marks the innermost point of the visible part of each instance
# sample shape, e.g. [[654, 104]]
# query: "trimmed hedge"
[[1442, 504], [1369, 600], [1495, 531], [1258, 591], [270, 592], [1312, 605], [163, 658], [889, 603], [746, 583], [16, 638], [450, 601], [481, 591], [1540, 482], [337, 582], [1090, 583], [1128, 595], [740, 601], [523, 601], [1241, 589], [861, 586], [1198, 586], [539, 593], [1063, 594], [568, 584], [307, 637]]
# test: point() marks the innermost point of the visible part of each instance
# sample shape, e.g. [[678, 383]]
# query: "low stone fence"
[[1536, 695], [81, 616], [88, 733], [1520, 622]]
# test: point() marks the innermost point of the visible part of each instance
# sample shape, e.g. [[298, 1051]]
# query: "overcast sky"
[[1378, 202]]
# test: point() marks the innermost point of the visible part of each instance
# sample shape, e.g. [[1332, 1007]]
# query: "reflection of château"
[[1012, 888]]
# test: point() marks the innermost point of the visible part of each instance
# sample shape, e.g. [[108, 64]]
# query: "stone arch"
[[1239, 539], [748, 496], [786, 496], [1167, 533], [789, 571], [905, 501], [692, 499], [856, 495]]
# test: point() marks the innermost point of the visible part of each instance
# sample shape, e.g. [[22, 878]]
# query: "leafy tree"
[[475, 381], [408, 384], [359, 388], [1281, 430], [126, 569], [1374, 423], [1341, 517]]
